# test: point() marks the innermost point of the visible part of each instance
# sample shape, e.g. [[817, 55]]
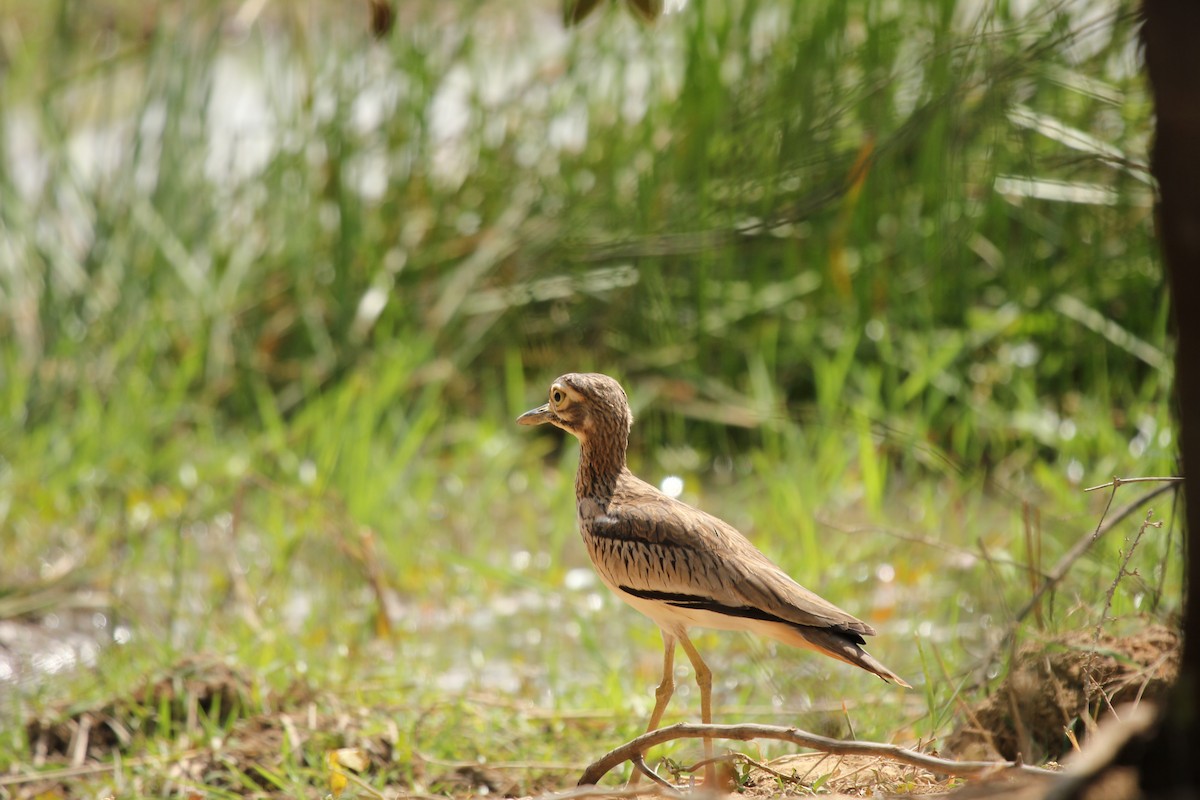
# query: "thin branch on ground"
[[634, 748], [639, 761]]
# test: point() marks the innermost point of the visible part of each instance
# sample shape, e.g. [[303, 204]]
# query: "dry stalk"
[[1115, 482], [1092, 686]]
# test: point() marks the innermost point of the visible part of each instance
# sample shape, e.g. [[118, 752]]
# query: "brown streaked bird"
[[676, 564]]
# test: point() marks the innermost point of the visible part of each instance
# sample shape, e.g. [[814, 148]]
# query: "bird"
[[676, 564]]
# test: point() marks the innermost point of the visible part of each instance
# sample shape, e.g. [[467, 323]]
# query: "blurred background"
[[276, 278]]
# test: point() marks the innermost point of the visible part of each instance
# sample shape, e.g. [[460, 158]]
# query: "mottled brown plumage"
[[676, 564]]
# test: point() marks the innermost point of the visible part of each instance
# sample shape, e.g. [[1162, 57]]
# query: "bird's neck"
[[599, 470]]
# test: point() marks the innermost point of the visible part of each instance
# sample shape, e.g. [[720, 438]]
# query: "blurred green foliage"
[[269, 286], [777, 188]]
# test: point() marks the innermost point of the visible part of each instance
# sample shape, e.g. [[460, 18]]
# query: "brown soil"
[[1063, 687], [848, 776]]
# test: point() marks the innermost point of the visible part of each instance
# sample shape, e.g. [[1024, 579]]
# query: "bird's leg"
[[704, 681], [662, 695]]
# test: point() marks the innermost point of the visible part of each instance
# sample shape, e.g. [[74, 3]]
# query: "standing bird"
[[676, 564]]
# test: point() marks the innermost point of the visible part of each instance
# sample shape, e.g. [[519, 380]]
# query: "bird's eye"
[[557, 396]]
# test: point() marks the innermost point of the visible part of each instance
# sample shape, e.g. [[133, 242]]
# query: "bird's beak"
[[536, 416]]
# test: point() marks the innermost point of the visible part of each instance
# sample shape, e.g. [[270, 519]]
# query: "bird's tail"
[[836, 644]]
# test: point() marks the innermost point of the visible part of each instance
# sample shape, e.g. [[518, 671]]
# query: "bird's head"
[[586, 405]]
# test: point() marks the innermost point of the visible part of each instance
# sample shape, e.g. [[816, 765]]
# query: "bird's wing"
[[682, 556]]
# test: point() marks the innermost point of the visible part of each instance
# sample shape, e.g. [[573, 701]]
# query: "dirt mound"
[[1066, 685]]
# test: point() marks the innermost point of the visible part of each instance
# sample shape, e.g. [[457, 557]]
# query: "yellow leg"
[[704, 681], [662, 695]]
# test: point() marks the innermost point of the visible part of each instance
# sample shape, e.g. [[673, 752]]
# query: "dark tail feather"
[[833, 643]]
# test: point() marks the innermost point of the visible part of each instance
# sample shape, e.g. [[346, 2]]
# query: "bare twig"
[[747, 732], [1091, 685], [1123, 569], [1081, 546], [1115, 482], [640, 762]]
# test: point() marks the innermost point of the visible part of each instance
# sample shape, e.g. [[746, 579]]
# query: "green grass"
[[227, 404]]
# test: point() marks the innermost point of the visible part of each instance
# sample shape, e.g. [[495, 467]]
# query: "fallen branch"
[[633, 749]]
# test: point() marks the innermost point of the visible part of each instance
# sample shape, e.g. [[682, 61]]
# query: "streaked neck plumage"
[[601, 461]]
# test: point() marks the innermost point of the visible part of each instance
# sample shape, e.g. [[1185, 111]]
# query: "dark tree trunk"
[[1169, 762]]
